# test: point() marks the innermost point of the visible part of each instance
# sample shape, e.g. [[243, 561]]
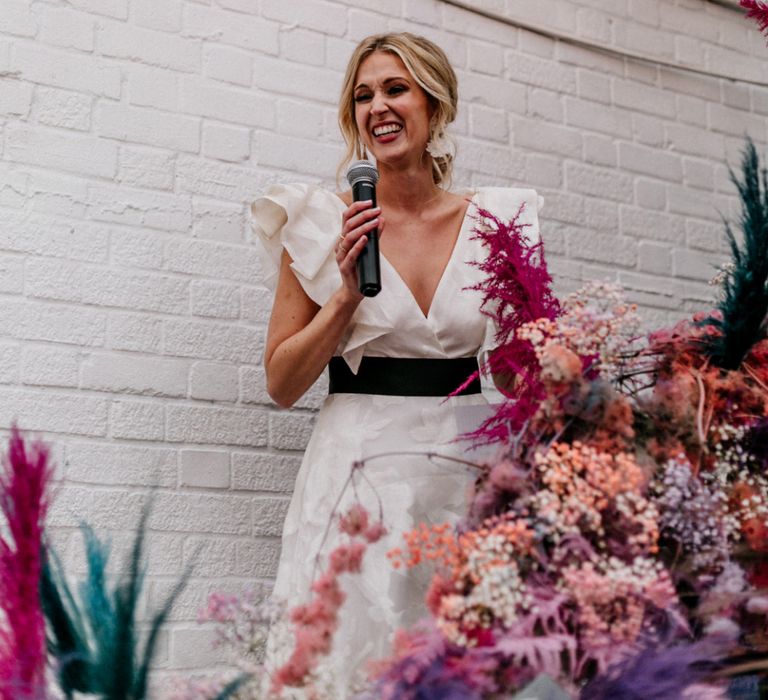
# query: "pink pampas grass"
[[23, 501], [757, 10], [517, 289]]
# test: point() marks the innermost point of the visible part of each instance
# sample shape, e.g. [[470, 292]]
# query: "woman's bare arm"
[[302, 336]]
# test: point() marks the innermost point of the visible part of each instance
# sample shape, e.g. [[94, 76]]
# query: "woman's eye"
[[396, 89], [362, 97]]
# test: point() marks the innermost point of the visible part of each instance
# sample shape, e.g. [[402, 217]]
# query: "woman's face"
[[392, 112]]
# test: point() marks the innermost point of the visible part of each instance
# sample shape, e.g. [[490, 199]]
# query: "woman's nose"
[[378, 103]]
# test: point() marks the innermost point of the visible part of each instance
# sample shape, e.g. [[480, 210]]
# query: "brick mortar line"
[[164, 400], [110, 396], [235, 322], [582, 43], [727, 4], [156, 445]]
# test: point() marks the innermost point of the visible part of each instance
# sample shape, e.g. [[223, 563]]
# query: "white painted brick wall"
[[134, 134]]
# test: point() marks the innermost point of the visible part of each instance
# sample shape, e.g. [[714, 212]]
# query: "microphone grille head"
[[362, 170]]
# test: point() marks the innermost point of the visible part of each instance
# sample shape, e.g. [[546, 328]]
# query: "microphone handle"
[[368, 265]]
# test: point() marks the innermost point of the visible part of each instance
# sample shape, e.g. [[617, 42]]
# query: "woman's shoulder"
[[519, 204], [505, 199]]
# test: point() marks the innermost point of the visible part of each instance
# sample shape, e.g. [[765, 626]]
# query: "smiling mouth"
[[386, 129]]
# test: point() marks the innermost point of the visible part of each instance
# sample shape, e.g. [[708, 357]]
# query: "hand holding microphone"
[[362, 177]]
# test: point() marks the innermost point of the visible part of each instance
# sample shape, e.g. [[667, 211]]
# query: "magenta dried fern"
[[758, 11], [23, 501], [517, 289]]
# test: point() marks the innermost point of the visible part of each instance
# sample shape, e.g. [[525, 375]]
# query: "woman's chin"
[[388, 151], [399, 158]]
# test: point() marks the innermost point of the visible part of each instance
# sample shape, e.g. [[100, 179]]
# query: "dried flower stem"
[[700, 409], [751, 372], [358, 467]]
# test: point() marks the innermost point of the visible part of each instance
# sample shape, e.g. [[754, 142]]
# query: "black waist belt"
[[402, 376]]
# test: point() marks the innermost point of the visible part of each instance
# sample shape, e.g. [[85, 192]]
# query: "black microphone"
[[362, 177]]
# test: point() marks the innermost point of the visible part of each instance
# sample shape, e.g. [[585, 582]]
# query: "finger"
[[355, 208], [359, 206], [341, 252], [361, 217], [354, 235], [354, 252], [350, 253], [357, 227]]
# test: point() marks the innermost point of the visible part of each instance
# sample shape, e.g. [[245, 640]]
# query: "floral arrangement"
[[618, 545], [626, 523], [616, 548]]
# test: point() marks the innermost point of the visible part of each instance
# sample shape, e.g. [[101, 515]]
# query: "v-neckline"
[[449, 262], [454, 251]]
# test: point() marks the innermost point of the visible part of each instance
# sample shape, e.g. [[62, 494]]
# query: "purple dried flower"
[[661, 673], [432, 683], [691, 515], [429, 667]]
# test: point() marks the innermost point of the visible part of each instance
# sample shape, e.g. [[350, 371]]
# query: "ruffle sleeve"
[[305, 221]]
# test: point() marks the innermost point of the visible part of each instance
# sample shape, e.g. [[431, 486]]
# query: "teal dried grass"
[[93, 635], [233, 687], [744, 305]]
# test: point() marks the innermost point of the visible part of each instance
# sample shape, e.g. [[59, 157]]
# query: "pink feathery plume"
[[24, 501], [517, 289], [757, 10]]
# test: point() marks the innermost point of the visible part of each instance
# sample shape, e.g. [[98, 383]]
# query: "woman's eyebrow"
[[384, 82]]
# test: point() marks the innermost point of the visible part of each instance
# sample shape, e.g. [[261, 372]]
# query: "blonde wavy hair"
[[430, 68]]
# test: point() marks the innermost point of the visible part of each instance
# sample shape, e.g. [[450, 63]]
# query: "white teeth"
[[387, 129]]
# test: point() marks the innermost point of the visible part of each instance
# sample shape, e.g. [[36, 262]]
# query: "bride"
[[393, 355]]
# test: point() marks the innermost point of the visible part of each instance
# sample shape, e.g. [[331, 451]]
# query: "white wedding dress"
[[306, 221]]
